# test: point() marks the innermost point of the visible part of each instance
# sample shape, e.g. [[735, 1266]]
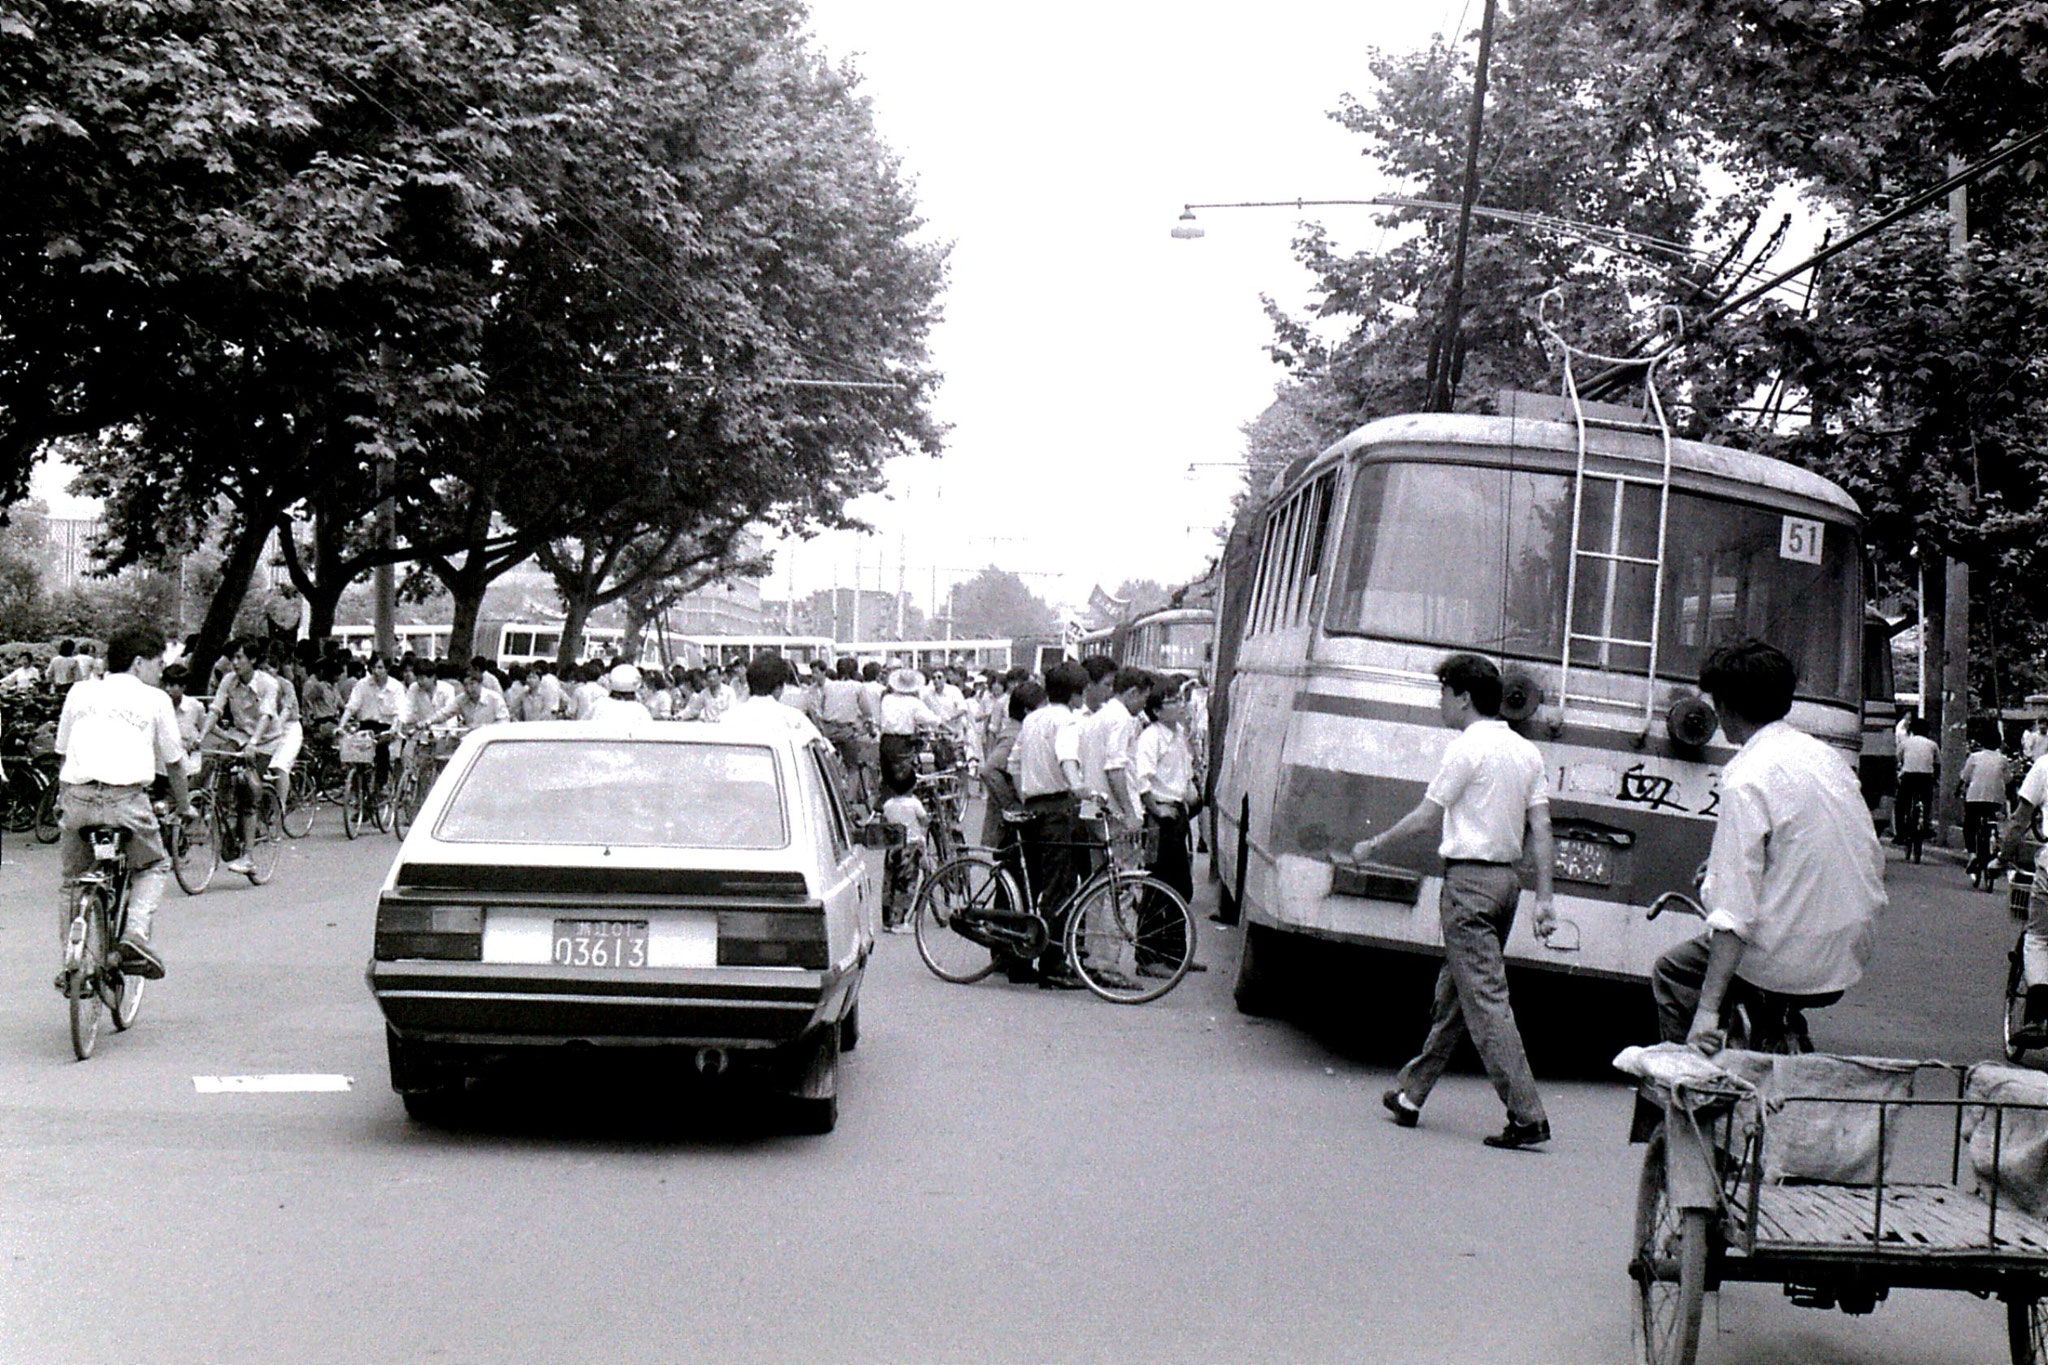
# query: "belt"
[[1049, 796], [1475, 862]]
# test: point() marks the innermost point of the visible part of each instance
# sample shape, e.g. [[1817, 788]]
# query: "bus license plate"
[[600, 943], [1578, 860]]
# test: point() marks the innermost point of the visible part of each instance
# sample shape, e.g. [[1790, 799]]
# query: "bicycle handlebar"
[[1676, 900]]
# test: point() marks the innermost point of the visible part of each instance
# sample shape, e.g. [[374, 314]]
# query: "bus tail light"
[[447, 933], [772, 938]]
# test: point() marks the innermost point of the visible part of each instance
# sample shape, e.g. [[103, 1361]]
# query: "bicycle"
[[430, 755], [225, 787], [1129, 936], [94, 982], [364, 801], [189, 843], [317, 775]]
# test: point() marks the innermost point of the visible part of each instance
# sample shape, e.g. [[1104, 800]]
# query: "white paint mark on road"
[[270, 1085]]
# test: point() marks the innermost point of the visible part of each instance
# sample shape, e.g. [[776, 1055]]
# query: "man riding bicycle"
[[377, 704], [115, 734], [246, 715], [1795, 876]]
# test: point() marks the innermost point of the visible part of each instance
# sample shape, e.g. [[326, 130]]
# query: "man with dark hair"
[[1107, 738], [764, 708], [1919, 769], [1101, 671], [1045, 763], [1486, 801], [247, 716], [1795, 877], [116, 733]]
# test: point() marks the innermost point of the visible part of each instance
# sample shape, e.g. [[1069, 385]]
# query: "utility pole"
[[385, 576], [1444, 354], [1955, 634]]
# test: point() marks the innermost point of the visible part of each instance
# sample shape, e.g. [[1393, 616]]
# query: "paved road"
[[1017, 1175]]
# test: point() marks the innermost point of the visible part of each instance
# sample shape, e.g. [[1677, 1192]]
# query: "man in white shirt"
[[1045, 764], [1162, 774], [1486, 800], [621, 702], [544, 702], [1106, 740], [476, 705], [764, 708], [1795, 876], [247, 716], [849, 715], [1985, 773], [25, 677], [1919, 766], [116, 733], [2034, 743], [377, 704]]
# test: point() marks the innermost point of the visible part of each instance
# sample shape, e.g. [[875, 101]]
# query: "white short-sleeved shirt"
[[1106, 740], [772, 715], [1049, 737], [2034, 791], [1984, 775], [1795, 870], [1489, 781], [1919, 754], [117, 730], [1162, 765]]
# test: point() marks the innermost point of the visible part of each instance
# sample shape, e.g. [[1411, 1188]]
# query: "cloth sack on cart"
[[2019, 1142], [1816, 1109]]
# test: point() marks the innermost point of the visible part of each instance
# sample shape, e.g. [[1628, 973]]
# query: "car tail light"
[[771, 938], [450, 933]]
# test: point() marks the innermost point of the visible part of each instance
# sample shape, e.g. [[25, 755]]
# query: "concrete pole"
[[385, 576], [1955, 641]]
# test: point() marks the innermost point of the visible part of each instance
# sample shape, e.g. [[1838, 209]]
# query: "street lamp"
[[1187, 229]]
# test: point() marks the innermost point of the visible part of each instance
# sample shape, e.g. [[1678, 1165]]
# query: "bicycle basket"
[[444, 746], [358, 746]]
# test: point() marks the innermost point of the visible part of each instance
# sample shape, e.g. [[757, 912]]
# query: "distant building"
[[71, 541]]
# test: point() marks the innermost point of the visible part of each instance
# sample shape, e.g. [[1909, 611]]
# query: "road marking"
[[248, 1085]]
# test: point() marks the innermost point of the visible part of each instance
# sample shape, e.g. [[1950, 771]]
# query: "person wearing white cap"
[[904, 713], [764, 708], [621, 701]]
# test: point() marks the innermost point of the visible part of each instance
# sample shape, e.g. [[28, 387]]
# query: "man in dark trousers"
[[1487, 797]]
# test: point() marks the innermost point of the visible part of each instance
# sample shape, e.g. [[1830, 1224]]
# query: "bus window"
[[1726, 576], [518, 642], [1458, 555]]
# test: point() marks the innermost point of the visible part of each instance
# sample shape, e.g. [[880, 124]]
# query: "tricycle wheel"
[[2026, 1331], [1669, 1267]]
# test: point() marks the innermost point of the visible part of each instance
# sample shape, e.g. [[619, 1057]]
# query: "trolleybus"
[[1597, 560]]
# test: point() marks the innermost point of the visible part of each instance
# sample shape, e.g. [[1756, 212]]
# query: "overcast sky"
[[1090, 359]]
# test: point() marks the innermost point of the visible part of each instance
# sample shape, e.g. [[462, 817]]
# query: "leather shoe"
[[1519, 1135], [1405, 1114]]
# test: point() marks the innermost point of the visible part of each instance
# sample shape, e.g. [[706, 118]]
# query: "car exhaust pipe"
[[711, 1061]]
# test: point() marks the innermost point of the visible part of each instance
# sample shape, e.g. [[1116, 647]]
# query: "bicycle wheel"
[[405, 804], [85, 958], [298, 807], [121, 990], [266, 844], [949, 917], [1130, 937], [194, 856], [48, 818], [24, 794], [353, 799], [2026, 1331], [1669, 1267]]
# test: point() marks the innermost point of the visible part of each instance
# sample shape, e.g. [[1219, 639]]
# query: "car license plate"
[[600, 943], [1578, 860]]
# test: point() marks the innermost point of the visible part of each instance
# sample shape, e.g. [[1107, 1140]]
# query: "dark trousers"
[[1914, 807], [1160, 936], [1477, 909], [1676, 979], [1980, 823], [1056, 824]]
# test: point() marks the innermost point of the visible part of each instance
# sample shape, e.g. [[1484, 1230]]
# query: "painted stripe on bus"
[[1579, 735]]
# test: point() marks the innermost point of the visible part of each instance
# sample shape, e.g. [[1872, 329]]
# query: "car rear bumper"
[[493, 1005]]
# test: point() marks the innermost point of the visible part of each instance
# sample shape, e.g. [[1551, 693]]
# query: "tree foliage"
[[996, 604]]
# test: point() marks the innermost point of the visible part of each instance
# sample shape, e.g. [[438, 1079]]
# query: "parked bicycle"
[[95, 982], [1129, 937]]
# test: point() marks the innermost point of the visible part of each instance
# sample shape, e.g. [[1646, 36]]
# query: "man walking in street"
[[1486, 801]]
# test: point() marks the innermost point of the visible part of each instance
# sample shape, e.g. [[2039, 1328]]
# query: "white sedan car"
[[696, 887]]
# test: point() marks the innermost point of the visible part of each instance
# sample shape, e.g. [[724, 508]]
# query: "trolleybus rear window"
[[1479, 557]]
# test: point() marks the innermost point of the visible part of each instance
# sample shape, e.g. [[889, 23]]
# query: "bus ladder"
[[1603, 567]]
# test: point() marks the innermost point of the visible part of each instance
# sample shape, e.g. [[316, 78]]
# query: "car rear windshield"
[[619, 792]]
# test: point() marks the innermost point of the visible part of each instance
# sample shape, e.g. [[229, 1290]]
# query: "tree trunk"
[[467, 588], [575, 614], [235, 572]]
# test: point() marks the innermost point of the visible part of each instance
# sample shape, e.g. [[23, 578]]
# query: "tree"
[[995, 604]]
